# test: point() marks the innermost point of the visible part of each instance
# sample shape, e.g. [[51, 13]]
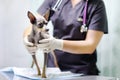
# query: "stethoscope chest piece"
[[83, 28]]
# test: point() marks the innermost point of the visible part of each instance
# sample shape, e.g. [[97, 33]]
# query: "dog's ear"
[[46, 15], [31, 17]]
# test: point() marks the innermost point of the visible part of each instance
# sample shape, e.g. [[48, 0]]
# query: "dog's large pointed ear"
[[46, 15], [31, 17]]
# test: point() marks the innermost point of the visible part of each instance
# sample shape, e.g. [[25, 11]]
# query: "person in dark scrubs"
[[78, 28]]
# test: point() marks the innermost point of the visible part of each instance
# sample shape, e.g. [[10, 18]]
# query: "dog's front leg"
[[32, 64], [35, 61], [44, 65]]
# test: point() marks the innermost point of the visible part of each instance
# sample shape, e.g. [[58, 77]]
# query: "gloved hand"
[[50, 43], [30, 46]]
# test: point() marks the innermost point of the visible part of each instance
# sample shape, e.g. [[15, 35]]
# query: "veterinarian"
[[78, 28]]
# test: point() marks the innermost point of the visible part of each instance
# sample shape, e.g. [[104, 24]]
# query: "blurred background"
[[13, 21]]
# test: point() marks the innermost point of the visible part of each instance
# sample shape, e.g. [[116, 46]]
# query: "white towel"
[[52, 73]]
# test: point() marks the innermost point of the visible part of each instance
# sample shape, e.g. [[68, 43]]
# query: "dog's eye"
[[41, 25], [45, 23]]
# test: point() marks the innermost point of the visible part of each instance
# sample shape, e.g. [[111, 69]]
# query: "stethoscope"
[[83, 28]]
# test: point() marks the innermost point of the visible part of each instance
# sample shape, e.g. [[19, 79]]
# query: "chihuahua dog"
[[38, 33]]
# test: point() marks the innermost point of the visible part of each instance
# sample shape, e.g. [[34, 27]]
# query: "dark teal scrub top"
[[67, 23]]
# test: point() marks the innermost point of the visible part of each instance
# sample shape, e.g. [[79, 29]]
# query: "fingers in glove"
[[32, 50], [44, 41], [46, 36], [43, 46], [47, 50], [27, 43]]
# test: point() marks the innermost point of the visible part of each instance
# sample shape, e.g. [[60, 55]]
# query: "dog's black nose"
[[46, 30]]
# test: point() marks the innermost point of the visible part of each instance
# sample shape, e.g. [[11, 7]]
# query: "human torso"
[[66, 21], [67, 26]]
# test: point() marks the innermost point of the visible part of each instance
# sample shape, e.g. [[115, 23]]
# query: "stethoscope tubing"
[[58, 3]]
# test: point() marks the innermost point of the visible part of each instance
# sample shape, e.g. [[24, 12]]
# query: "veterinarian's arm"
[[29, 46], [27, 31], [86, 46]]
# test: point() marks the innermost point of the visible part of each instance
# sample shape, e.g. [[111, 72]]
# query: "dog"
[[38, 33]]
